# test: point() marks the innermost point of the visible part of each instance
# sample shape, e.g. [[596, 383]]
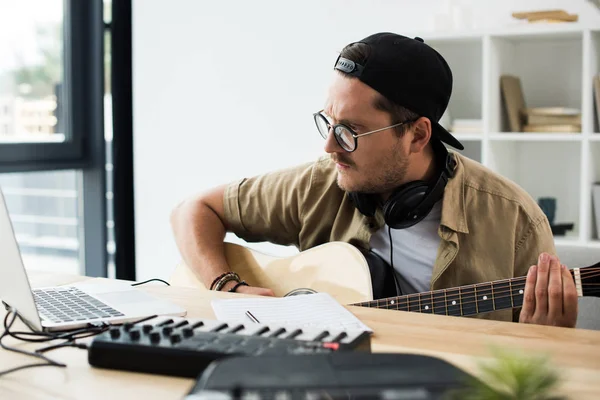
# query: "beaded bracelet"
[[225, 279], [223, 275], [237, 285]]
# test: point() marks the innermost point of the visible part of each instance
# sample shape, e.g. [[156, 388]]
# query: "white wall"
[[225, 89]]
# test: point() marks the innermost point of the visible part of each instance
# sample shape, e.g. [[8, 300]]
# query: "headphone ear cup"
[[398, 210], [365, 203]]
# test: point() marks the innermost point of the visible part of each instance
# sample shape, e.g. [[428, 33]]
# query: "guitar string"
[[480, 286], [516, 283], [426, 298]]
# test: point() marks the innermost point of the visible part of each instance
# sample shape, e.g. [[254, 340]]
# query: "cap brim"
[[441, 133]]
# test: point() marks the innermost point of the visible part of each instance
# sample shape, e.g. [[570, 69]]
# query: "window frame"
[[84, 149]]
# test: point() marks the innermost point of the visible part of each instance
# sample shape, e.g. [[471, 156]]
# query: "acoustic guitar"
[[342, 270]]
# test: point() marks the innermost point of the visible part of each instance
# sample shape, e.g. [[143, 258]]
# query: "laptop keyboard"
[[71, 304]]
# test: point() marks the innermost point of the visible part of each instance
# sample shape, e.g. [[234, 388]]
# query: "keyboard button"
[[134, 334], [154, 337]]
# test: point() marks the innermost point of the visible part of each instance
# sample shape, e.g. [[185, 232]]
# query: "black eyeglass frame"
[[337, 133]]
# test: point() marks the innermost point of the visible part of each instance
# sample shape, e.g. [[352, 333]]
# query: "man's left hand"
[[550, 296]]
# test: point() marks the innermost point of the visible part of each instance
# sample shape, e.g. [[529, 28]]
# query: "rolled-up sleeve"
[[268, 207]]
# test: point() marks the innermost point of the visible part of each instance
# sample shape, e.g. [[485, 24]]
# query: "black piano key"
[[294, 333], [219, 328], [180, 324], [278, 332], [197, 325], [339, 337], [262, 330], [321, 336], [236, 328]]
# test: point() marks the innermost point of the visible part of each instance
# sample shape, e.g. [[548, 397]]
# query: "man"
[[389, 186]]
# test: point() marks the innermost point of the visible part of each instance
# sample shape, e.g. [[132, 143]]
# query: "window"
[[52, 146], [43, 207]]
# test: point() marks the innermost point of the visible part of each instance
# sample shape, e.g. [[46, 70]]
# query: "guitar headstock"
[[590, 280]]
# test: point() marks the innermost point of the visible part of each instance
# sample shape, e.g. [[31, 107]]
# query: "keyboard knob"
[[134, 334], [127, 326], [175, 338], [115, 333], [147, 328], [187, 332], [167, 330], [155, 337]]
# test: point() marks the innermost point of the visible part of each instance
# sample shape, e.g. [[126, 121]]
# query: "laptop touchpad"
[[125, 297]]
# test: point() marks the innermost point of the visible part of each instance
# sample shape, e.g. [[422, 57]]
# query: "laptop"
[[72, 306]]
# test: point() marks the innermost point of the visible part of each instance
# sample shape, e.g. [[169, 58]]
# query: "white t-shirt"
[[415, 250]]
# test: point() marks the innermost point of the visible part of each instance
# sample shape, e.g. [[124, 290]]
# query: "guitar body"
[[337, 268], [352, 278]]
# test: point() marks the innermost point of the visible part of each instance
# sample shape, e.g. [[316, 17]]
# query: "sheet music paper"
[[310, 310]]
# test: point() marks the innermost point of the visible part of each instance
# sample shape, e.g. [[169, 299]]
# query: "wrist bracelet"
[[237, 285], [225, 279], [212, 285]]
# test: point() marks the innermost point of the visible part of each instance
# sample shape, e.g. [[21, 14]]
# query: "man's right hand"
[[255, 290]]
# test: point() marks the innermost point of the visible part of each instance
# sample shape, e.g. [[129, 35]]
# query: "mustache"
[[340, 160]]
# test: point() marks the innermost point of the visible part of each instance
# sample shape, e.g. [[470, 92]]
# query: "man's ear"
[[421, 134]]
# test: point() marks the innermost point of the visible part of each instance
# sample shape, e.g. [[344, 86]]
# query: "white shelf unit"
[[556, 65]]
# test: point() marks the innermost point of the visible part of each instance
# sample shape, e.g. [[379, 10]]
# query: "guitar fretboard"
[[459, 301]]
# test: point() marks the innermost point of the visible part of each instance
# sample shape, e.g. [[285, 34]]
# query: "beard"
[[383, 176]]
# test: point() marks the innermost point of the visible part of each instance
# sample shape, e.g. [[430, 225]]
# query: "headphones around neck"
[[413, 201]]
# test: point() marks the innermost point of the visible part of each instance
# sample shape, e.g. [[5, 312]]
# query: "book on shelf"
[[596, 200], [546, 16], [553, 119], [466, 126], [553, 128], [597, 96], [514, 101]]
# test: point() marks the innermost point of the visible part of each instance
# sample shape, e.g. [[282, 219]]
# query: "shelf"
[[560, 241], [567, 241], [536, 137], [517, 31], [526, 31], [594, 137], [466, 137]]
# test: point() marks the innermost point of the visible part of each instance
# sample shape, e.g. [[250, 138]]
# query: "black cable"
[[150, 280], [8, 371], [391, 248], [7, 325], [61, 345], [68, 336]]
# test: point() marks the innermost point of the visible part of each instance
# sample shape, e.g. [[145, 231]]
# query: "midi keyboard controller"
[[185, 347]]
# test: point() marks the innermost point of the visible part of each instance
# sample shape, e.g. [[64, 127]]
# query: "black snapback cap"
[[408, 72]]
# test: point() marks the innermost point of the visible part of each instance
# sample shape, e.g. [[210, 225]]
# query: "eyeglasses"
[[344, 135]]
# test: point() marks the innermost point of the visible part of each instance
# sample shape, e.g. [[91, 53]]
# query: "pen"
[[252, 317]]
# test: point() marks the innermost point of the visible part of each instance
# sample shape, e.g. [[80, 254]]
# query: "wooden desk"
[[461, 341]]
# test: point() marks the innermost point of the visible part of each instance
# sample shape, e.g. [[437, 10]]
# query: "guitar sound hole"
[[300, 291]]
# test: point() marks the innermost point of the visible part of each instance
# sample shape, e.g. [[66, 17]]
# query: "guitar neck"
[[463, 300]]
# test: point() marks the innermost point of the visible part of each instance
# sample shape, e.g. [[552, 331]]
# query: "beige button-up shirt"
[[490, 227]]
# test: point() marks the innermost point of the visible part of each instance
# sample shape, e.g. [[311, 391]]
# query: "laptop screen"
[[15, 290]]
